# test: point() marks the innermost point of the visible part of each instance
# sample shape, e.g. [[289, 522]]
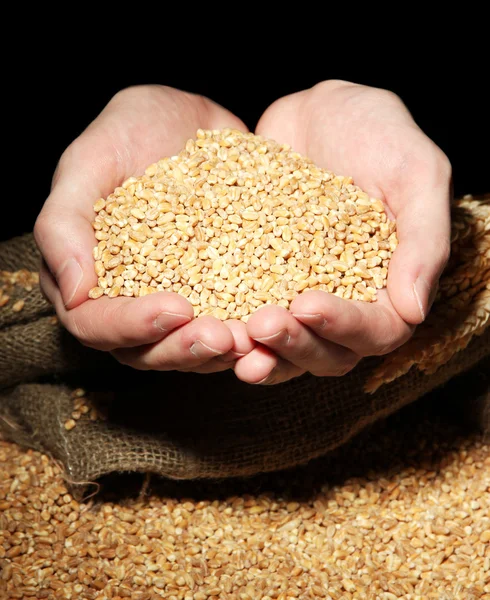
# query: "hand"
[[369, 134], [139, 126]]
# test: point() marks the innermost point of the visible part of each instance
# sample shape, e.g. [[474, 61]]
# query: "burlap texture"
[[183, 426]]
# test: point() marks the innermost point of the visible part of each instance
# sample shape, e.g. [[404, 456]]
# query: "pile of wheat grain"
[[407, 516], [236, 221]]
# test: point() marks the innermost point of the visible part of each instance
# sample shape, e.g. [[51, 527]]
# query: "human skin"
[[347, 128]]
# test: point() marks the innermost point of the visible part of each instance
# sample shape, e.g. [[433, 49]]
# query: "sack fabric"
[[186, 426]]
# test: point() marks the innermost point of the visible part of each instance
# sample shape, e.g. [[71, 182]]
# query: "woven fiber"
[[187, 426]]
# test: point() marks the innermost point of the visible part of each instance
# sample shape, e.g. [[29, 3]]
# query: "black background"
[[451, 107]]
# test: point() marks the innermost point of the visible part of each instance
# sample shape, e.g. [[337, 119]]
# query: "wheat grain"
[[231, 212], [418, 531]]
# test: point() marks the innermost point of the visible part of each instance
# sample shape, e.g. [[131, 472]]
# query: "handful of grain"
[[236, 221]]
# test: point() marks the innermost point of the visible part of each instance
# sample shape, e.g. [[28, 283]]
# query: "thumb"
[[423, 229], [64, 233], [65, 240]]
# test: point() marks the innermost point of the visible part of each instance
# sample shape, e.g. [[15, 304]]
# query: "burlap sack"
[[187, 426]]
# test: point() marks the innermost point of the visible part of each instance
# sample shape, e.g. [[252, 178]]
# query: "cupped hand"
[[138, 127], [370, 135]]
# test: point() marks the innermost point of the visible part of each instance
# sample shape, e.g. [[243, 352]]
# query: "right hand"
[[139, 126]]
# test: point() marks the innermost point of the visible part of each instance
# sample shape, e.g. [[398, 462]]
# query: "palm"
[[345, 140], [138, 127], [369, 135]]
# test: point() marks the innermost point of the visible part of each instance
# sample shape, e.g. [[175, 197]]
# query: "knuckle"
[[388, 96], [67, 159], [443, 165], [42, 227], [435, 168], [370, 93], [333, 84], [431, 163], [335, 88], [136, 93], [57, 173]]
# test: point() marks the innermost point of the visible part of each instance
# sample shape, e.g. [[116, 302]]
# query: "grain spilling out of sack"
[[404, 513], [20, 280], [82, 406], [236, 221]]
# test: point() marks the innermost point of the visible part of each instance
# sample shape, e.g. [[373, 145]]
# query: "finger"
[[368, 329], [63, 231], [189, 346], [423, 230], [68, 256], [276, 328], [262, 366], [242, 342], [242, 345], [257, 365], [108, 323]]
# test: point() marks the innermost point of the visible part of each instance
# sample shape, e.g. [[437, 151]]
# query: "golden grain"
[[18, 306], [70, 424], [413, 532], [11, 283], [234, 208]]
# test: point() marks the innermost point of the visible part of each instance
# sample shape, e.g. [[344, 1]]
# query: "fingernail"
[[68, 279], [167, 321], [202, 350], [315, 319], [275, 336], [421, 290]]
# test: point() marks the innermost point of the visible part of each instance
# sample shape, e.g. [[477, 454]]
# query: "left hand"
[[369, 134]]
